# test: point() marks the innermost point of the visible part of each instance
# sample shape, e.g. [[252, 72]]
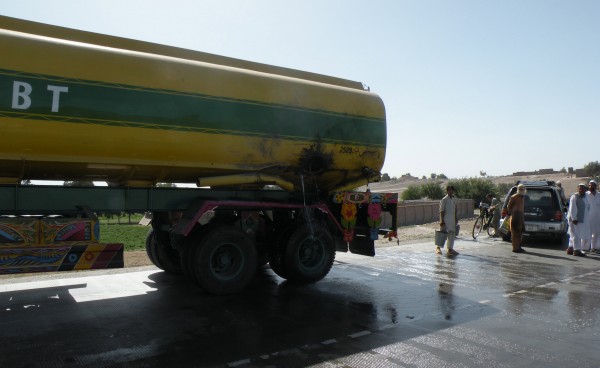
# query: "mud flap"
[[363, 245], [340, 245]]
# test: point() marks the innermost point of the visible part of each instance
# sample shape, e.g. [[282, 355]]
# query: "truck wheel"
[[189, 248], [309, 253], [224, 261], [163, 255], [149, 239]]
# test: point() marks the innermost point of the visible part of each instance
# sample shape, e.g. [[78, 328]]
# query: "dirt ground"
[[418, 233], [136, 258]]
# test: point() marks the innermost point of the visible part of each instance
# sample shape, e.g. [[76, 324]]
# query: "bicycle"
[[484, 221]]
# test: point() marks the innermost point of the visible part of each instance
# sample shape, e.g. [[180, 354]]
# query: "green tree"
[[469, 188], [592, 168], [432, 190], [385, 177], [442, 176], [473, 188], [413, 192]]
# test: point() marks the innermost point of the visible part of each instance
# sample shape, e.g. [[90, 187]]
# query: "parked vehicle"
[[545, 214]]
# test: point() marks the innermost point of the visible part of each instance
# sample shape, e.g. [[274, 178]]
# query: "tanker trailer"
[[82, 106]]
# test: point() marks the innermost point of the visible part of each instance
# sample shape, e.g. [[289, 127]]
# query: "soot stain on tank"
[[314, 161]]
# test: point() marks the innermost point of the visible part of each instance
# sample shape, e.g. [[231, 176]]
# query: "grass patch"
[[121, 219], [132, 236], [123, 228]]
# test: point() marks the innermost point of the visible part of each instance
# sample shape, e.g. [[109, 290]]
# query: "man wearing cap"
[[516, 210], [579, 222], [593, 199]]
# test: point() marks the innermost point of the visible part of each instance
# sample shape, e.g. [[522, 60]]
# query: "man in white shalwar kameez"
[[593, 198], [448, 221], [579, 222]]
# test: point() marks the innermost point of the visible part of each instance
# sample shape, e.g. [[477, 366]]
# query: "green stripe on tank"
[[91, 102]]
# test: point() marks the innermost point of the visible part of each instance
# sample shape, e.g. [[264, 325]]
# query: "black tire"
[[477, 226], [190, 245], [309, 254], [224, 261], [163, 255], [149, 239], [507, 237], [490, 229]]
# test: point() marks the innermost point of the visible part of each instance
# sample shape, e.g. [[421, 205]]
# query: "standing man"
[[495, 208], [579, 222], [516, 210], [448, 221], [593, 199]]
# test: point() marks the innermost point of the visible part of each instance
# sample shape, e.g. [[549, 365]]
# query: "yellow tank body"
[[82, 106]]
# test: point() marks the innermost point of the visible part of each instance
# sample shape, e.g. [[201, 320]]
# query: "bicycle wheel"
[[490, 229], [477, 227]]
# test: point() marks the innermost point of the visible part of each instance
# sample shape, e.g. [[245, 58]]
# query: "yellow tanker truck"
[[272, 150]]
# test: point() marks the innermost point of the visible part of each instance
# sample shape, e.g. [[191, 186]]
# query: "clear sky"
[[469, 85]]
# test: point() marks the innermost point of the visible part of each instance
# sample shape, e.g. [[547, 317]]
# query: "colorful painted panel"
[[362, 213], [61, 229], [365, 197], [75, 256], [18, 230]]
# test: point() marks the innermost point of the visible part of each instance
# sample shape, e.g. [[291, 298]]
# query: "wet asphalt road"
[[406, 307]]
